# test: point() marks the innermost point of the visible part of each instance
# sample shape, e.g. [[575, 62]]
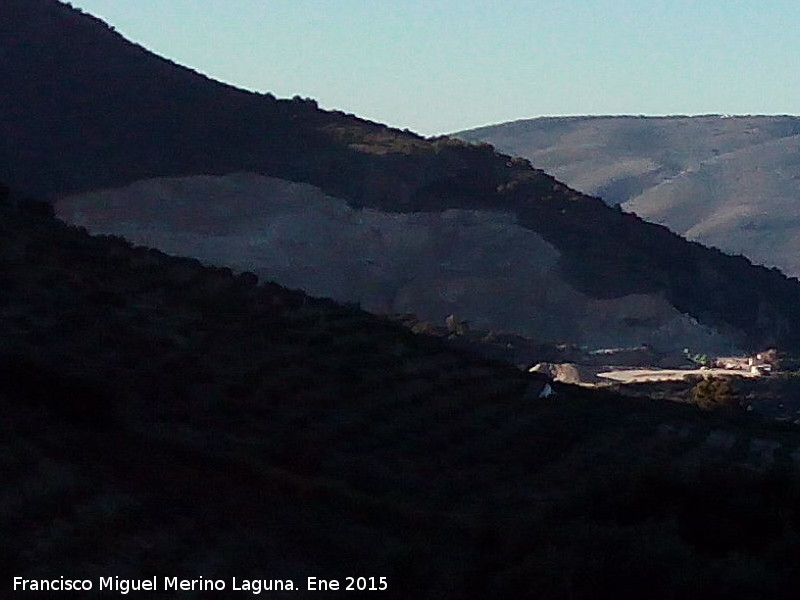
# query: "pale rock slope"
[[479, 265]]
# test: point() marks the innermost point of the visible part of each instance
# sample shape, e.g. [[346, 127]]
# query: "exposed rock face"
[[568, 372], [479, 265], [70, 124]]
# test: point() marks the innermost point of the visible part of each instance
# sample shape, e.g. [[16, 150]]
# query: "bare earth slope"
[[728, 182], [161, 419], [481, 265]]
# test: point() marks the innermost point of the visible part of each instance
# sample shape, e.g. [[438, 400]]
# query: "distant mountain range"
[[732, 182], [83, 111]]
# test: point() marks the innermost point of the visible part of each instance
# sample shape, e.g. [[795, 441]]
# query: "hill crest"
[[725, 181], [69, 122]]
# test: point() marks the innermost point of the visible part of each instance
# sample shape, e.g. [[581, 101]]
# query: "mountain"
[[162, 419], [731, 182], [467, 262], [82, 111], [165, 420]]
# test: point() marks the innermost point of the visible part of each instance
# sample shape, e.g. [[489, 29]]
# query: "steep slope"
[[729, 182], [463, 262], [749, 203], [82, 109], [161, 419]]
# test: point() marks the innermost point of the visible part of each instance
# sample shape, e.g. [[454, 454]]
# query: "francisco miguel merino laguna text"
[[125, 586]]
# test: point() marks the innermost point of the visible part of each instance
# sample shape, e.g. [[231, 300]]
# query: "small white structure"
[[761, 369], [539, 389]]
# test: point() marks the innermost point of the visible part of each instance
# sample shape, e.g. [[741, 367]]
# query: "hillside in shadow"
[[167, 419], [82, 109]]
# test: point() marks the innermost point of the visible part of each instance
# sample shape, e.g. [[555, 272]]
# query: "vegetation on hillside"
[[69, 122], [725, 181], [714, 391], [165, 418], [161, 417]]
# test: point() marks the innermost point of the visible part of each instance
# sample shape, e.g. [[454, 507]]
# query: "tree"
[[712, 392], [701, 360]]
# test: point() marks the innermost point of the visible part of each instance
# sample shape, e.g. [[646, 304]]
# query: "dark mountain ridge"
[[81, 108], [162, 418], [165, 419]]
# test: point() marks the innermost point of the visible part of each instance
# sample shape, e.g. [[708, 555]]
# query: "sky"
[[440, 66]]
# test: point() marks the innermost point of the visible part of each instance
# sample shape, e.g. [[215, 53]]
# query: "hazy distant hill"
[[729, 182], [82, 110]]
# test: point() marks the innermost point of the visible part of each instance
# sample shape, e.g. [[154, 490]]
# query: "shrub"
[[714, 392]]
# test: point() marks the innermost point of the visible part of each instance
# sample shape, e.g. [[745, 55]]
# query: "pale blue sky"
[[438, 66]]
